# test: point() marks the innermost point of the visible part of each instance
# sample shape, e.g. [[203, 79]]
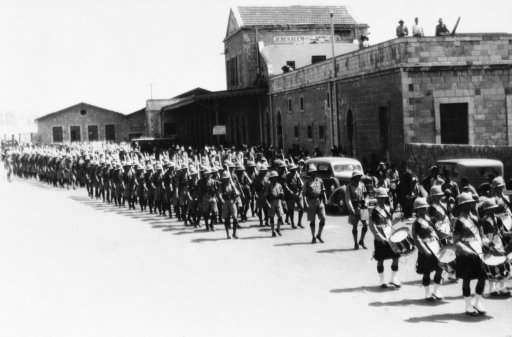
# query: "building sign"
[[304, 39], [219, 130]]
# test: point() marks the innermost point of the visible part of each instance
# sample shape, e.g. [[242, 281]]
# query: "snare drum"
[[401, 242], [447, 257], [496, 267]]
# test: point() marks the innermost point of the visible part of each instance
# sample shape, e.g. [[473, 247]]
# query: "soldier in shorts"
[[314, 200], [293, 195], [228, 195], [274, 193], [354, 199]]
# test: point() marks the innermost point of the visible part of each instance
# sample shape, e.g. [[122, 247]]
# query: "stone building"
[[259, 42], [372, 102], [85, 122]]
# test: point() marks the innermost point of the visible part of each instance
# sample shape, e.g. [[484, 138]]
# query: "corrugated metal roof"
[[293, 15]]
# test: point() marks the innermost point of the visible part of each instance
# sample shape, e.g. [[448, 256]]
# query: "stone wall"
[[420, 157], [410, 52]]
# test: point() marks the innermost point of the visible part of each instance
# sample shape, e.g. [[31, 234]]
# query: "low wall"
[[421, 156]]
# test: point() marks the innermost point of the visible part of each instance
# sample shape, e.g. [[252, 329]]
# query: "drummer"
[[491, 229], [381, 227], [427, 241], [440, 216], [469, 247]]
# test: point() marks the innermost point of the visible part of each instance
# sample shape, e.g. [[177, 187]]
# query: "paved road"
[[75, 267]]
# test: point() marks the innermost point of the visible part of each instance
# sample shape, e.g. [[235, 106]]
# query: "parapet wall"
[[486, 49]]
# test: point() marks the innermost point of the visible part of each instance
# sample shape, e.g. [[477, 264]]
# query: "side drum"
[[447, 257], [496, 267], [401, 242]]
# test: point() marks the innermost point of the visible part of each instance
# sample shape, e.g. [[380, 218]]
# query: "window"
[[232, 68], [318, 58], [169, 129], [57, 134], [290, 105], [328, 100], [110, 132], [301, 103], [92, 132], [321, 132], [296, 132], [454, 123], [291, 64], [74, 133], [383, 128], [83, 112], [310, 131]]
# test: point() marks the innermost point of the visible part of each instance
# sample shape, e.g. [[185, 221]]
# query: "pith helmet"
[[436, 191], [420, 203], [498, 182], [465, 198]]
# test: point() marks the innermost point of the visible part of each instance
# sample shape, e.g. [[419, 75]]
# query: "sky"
[[56, 53]]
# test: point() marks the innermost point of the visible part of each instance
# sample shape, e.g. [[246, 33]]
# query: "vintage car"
[[336, 173], [477, 171]]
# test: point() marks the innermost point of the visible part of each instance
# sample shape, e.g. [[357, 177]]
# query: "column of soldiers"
[[458, 233], [213, 189]]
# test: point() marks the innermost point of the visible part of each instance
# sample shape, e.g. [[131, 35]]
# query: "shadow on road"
[[256, 237], [289, 244], [332, 251], [413, 301], [200, 240], [372, 289], [447, 317]]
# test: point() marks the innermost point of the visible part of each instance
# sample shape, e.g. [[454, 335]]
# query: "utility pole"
[[332, 88]]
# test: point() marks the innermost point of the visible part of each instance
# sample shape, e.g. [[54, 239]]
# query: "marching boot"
[[320, 229], [469, 307], [235, 226], [436, 293], [354, 235], [428, 294], [364, 230], [479, 305], [394, 279], [312, 227], [383, 283], [226, 227], [299, 220]]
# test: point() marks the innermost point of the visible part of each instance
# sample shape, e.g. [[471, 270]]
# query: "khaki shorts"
[[316, 208]]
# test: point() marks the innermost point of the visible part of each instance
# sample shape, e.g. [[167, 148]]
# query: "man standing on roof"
[[401, 30], [441, 29]]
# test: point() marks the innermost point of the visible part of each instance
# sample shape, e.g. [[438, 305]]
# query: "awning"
[[214, 95]]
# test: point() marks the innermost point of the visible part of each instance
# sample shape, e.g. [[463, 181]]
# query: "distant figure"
[[401, 30], [364, 42], [417, 30], [441, 29]]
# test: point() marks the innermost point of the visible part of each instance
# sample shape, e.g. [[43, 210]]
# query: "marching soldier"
[[381, 227], [293, 195], [355, 202], [259, 184], [469, 247], [228, 195], [273, 195], [425, 237], [314, 201]]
